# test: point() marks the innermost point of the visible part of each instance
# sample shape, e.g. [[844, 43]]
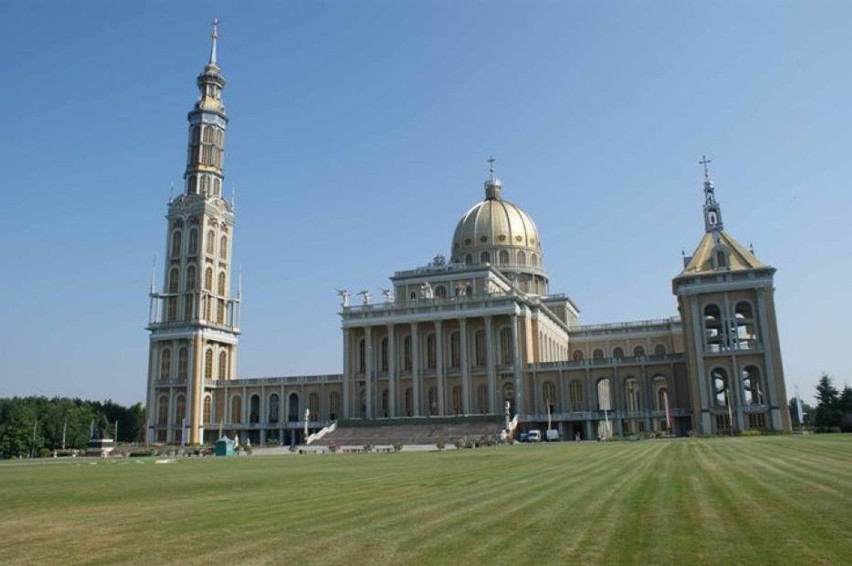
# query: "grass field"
[[766, 500]]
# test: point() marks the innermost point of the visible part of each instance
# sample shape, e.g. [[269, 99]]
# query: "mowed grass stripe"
[[695, 501]]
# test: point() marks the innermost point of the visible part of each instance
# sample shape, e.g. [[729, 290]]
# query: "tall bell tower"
[[726, 298], [194, 317]]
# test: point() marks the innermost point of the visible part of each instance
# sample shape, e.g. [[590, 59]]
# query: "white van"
[[534, 435]]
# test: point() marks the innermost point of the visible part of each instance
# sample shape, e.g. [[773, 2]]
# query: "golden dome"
[[499, 233]]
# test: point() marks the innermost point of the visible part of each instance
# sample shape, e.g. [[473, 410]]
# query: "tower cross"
[[491, 161], [704, 161]]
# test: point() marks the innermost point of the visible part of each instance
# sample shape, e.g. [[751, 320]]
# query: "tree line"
[[833, 411], [35, 425]]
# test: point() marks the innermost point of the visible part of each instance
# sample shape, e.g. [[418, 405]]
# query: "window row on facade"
[[505, 258], [176, 241], [177, 366], [618, 352], [274, 411]]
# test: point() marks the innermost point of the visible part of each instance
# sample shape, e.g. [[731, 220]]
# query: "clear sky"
[[358, 137]]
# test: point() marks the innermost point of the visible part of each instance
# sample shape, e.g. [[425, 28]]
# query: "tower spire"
[[712, 211], [213, 38]]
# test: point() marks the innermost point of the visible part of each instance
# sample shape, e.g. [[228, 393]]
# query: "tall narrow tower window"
[[193, 185], [205, 185], [193, 242], [174, 275], [189, 301], [183, 363], [217, 185], [165, 363], [211, 241], [176, 237], [221, 289], [190, 278], [163, 410], [223, 247], [223, 365], [208, 364], [208, 279], [180, 408]]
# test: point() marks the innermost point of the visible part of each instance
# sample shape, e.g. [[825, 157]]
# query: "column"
[[347, 375], [392, 394], [415, 371], [151, 415], [465, 368], [516, 368], [368, 369], [439, 358], [490, 373]]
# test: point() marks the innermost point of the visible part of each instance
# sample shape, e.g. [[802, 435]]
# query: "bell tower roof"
[[717, 250]]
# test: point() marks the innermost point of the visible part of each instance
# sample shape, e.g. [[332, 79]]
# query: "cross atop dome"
[[492, 185]]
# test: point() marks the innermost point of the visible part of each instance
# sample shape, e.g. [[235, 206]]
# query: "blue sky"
[[358, 138]]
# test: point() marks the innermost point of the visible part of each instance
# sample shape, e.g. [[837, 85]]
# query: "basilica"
[[475, 334]]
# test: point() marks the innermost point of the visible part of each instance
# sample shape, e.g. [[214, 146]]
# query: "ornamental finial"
[[213, 37]]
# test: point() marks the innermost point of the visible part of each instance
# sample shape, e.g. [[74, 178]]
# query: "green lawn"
[[767, 500]]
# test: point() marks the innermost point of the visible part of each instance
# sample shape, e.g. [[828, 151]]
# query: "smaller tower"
[[726, 299]]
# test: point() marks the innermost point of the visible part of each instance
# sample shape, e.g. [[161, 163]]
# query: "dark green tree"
[[16, 429], [828, 411], [846, 409]]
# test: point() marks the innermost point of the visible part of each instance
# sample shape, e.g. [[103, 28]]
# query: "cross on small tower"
[[491, 161], [704, 161], [215, 28]]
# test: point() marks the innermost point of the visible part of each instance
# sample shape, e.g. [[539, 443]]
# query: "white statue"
[[368, 297], [388, 295], [344, 297], [426, 291]]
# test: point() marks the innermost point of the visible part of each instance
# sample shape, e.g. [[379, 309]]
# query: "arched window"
[[190, 278], [174, 276], [503, 257], [638, 351], [236, 409], [433, 400], [176, 237], [745, 331], [534, 260], [713, 328], [221, 288], [223, 365], [632, 395], [180, 408], [211, 241], [293, 407], [659, 350], [575, 395], [408, 400], [208, 134], [618, 353], [166, 363], [753, 391], [468, 259], [522, 258], [597, 354], [577, 356], [208, 279], [183, 363], [721, 389], [479, 347], [193, 241], [274, 409], [383, 348], [207, 418], [163, 410], [313, 406], [431, 353], [548, 394], [217, 184], [455, 350], [223, 247], [208, 364], [482, 399], [660, 392], [441, 292], [362, 356], [457, 400], [468, 290], [205, 180], [193, 181], [604, 395], [254, 409], [485, 257], [333, 405], [188, 302], [506, 346], [171, 309], [406, 352]]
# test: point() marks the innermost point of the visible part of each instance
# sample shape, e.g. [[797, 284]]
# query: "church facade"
[[478, 334]]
